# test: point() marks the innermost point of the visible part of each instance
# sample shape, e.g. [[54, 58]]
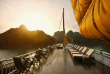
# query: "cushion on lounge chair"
[[85, 48], [78, 47], [89, 53]]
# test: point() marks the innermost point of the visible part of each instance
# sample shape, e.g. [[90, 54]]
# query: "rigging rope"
[[60, 22]]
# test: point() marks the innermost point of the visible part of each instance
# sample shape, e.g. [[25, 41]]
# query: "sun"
[[35, 21]]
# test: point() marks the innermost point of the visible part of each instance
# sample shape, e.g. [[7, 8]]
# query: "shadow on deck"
[[60, 62]]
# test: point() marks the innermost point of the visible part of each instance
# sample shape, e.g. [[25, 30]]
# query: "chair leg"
[[22, 72], [17, 72]]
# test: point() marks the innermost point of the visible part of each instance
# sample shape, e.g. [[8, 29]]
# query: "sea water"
[[10, 53]]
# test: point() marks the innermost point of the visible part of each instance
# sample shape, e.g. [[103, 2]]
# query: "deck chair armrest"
[[26, 61]]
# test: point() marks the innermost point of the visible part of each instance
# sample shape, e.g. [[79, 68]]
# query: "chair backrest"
[[50, 48], [18, 62], [37, 56], [77, 47], [84, 49], [39, 51], [90, 52], [80, 48]]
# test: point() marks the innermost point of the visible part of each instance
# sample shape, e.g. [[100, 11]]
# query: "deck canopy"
[[93, 17]]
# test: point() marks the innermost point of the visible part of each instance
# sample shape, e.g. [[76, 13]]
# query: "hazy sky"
[[36, 15]]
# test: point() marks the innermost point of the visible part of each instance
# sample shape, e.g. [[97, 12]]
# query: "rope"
[[60, 22]]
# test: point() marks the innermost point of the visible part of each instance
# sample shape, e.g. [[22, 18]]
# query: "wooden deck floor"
[[60, 62]]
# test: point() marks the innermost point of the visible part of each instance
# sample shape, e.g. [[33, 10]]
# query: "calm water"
[[6, 54], [106, 50]]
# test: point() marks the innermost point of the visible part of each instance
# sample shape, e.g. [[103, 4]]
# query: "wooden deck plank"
[[60, 62]]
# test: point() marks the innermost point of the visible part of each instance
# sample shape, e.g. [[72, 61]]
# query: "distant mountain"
[[58, 36], [23, 38]]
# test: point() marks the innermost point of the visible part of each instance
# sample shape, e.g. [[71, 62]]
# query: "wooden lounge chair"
[[50, 48], [22, 64], [39, 55], [82, 56], [74, 50], [45, 52], [78, 51], [74, 46], [81, 51]]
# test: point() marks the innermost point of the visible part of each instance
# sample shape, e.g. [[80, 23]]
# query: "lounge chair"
[[74, 46], [74, 50], [82, 56], [39, 55], [78, 51], [22, 64], [81, 51], [50, 48]]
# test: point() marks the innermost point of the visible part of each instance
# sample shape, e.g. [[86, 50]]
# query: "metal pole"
[[63, 28]]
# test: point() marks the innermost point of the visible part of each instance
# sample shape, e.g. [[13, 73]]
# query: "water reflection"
[[9, 53]]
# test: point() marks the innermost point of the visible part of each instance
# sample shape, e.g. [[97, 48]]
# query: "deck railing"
[[7, 65], [102, 57]]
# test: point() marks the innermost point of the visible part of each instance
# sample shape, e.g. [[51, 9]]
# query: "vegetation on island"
[[58, 36], [77, 38], [23, 38]]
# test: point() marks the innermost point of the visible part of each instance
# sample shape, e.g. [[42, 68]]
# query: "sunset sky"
[[36, 15]]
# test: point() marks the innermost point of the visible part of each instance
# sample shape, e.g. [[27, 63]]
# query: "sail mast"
[[65, 40], [63, 22], [63, 28]]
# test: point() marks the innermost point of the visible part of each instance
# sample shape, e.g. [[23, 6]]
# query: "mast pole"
[[63, 29], [63, 22]]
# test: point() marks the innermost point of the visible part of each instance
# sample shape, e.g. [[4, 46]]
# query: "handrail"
[[8, 63], [10, 59], [102, 57]]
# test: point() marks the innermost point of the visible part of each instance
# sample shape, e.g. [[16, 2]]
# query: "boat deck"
[[60, 62]]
